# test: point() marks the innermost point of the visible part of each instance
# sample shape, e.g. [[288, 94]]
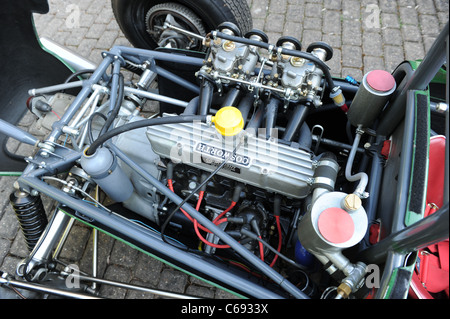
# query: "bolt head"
[[352, 202]]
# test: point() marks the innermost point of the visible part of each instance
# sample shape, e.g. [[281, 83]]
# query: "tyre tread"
[[241, 11]]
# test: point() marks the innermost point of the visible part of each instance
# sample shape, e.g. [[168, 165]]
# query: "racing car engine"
[[273, 165], [272, 178]]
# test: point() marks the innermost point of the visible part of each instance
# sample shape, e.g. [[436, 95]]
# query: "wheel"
[[141, 21], [179, 16]]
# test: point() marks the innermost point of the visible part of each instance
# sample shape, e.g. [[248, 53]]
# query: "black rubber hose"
[[271, 115], [89, 125], [206, 95], [118, 104], [305, 139], [245, 105], [233, 97], [255, 123], [295, 122], [143, 123], [192, 106], [76, 74]]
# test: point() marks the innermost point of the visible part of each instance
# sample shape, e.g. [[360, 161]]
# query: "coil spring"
[[31, 216]]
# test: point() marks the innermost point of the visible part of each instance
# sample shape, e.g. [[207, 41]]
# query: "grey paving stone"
[[295, 13], [278, 6], [272, 22], [115, 273], [331, 22], [19, 247], [429, 24], [148, 269], [392, 36], [9, 264], [392, 55], [310, 36], [333, 4], [173, 280], [104, 249], [95, 30], [388, 6], [8, 224], [373, 63], [313, 10], [138, 294], [351, 34], [76, 243], [413, 50], [259, 9], [353, 72], [123, 256], [5, 246], [426, 7], [200, 291], [293, 29], [351, 11], [352, 56], [335, 63], [411, 33], [372, 44], [390, 20], [408, 15]]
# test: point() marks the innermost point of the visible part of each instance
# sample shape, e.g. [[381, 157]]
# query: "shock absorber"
[[30, 214]]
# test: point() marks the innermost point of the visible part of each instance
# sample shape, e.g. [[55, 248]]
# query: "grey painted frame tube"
[[142, 235], [263, 267], [152, 54], [137, 233], [421, 234], [130, 230]]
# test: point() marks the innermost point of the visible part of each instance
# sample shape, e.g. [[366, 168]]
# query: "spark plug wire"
[[276, 212]]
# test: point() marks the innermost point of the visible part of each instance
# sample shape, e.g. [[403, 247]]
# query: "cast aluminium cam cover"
[[259, 162]]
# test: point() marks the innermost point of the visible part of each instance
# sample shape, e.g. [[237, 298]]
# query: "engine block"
[[259, 162]]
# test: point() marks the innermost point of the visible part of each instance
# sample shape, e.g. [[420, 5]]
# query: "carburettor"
[[301, 78], [233, 59]]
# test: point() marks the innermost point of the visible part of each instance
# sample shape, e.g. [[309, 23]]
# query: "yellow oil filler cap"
[[228, 121]]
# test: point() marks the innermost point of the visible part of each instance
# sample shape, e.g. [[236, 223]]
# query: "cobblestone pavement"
[[365, 35]]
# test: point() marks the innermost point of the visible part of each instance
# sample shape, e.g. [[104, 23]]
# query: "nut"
[[296, 61], [344, 290], [229, 46]]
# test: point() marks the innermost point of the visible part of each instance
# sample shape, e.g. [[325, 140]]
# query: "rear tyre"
[[140, 20]]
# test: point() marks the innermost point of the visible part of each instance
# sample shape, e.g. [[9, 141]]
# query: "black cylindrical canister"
[[375, 90]]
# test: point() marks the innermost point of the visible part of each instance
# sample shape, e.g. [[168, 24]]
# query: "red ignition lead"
[[204, 240], [216, 221], [279, 240], [261, 249], [276, 212]]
